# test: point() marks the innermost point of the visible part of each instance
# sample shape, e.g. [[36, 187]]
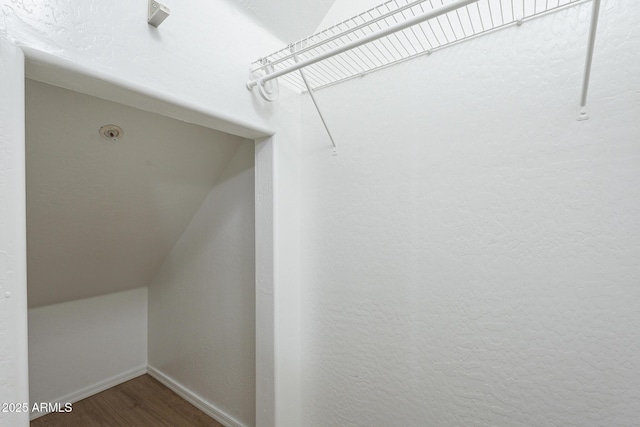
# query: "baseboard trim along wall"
[[94, 389], [197, 401]]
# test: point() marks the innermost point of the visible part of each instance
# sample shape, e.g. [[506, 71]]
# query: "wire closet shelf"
[[395, 31]]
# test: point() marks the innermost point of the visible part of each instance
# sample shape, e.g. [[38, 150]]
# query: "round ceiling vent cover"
[[111, 132]]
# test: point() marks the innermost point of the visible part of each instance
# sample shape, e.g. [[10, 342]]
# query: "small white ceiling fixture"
[[112, 132]]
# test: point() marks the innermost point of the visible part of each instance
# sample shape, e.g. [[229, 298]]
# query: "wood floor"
[[140, 402]]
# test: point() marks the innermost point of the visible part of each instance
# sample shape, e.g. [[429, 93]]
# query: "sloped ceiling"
[[102, 215], [289, 20]]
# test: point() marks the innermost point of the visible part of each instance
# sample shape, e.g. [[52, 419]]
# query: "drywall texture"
[[107, 213], [471, 257], [198, 56], [189, 56], [342, 10], [13, 268], [290, 20], [79, 345], [202, 301]]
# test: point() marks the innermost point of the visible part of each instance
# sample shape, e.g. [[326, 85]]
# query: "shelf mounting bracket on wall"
[[587, 66], [157, 13], [313, 98]]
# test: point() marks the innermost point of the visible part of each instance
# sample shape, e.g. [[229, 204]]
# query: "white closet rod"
[[364, 40]]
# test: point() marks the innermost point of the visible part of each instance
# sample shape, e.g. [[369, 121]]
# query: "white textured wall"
[[290, 20], [201, 53], [86, 345], [13, 245], [199, 56], [202, 301], [471, 256]]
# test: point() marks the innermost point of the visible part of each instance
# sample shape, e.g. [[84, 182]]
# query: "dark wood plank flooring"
[[141, 402]]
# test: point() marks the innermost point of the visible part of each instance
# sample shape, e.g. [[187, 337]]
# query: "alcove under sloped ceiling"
[[289, 20], [102, 214]]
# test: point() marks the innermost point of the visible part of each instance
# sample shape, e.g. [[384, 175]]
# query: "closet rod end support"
[[582, 115]]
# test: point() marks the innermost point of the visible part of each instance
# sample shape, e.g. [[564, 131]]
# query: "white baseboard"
[[95, 388], [197, 401]]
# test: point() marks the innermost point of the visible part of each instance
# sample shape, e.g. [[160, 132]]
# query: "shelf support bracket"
[[315, 103], [587, 67]]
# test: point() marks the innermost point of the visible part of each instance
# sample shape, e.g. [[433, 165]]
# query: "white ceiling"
[[102, 215], [289, 20]]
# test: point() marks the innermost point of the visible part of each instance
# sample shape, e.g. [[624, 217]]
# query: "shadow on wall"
[[102, 215]]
